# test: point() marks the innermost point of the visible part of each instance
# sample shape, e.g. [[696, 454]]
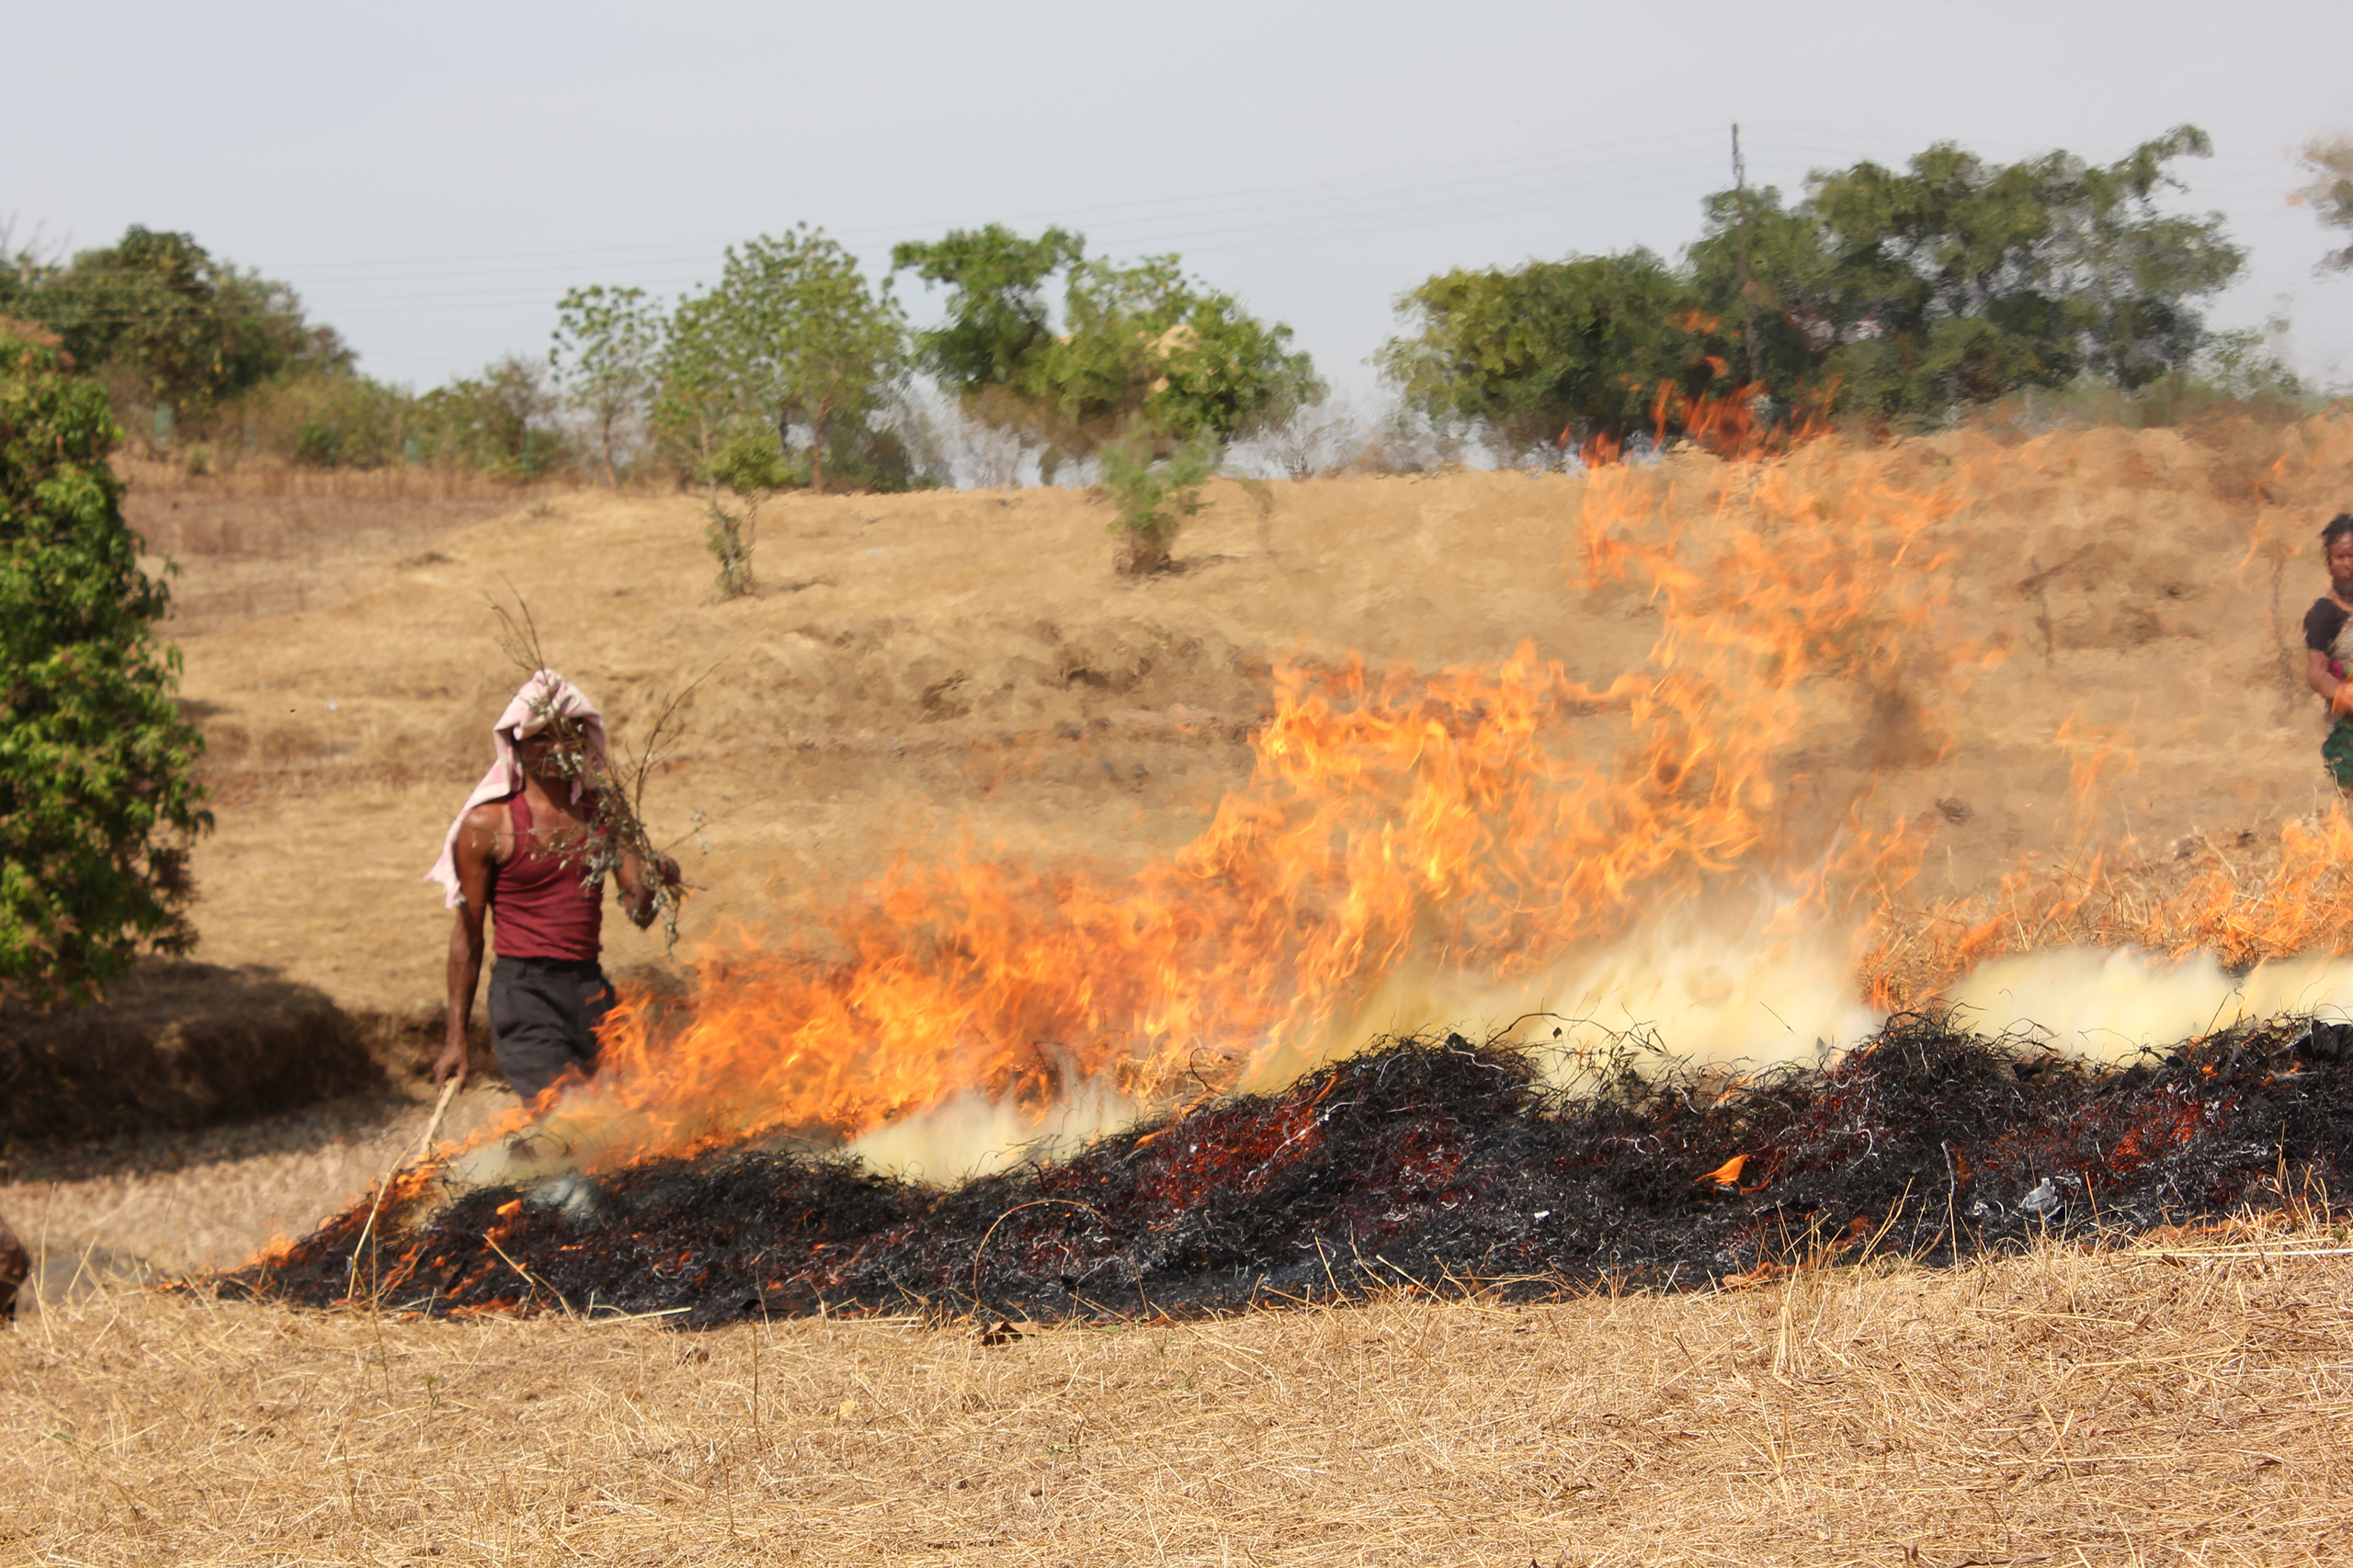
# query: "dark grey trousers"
[[543, 1018]]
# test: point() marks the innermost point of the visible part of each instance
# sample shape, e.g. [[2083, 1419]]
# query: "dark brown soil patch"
[[177, 1045]]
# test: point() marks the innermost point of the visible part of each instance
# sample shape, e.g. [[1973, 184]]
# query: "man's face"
[[542, 755]]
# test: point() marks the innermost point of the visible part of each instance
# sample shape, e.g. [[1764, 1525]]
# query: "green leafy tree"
[[1883, 292], [793, 334], [502, 422], [180, 328], [700, 400], [998, 316], [607, 352], [712, 417], [1551, 350], [1145, 352], [1957, 281], [97, 794], [1145, 347]]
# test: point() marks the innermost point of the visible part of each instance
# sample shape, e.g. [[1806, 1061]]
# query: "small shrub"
[[1154, 494], [729, 536], [318, 443], [751, 464]]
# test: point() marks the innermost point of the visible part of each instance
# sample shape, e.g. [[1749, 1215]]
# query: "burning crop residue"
[[1697, 851], [1436, 1163]]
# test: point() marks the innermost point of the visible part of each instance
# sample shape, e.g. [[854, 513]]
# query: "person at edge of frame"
[[16, 1264], [518, 851], [2328, 647]]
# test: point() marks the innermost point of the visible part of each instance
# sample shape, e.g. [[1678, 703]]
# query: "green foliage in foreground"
[[1888, 294], [97, 798]]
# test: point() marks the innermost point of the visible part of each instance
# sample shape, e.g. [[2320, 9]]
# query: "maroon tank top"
[[540, 907]]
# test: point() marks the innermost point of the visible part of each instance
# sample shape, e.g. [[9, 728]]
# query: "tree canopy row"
[[1888, 294], [1893, 295]]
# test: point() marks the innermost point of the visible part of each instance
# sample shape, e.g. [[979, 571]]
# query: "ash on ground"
[[1433, 1163]]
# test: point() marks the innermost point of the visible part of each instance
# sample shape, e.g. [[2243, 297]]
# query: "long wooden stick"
[[400, 1164]]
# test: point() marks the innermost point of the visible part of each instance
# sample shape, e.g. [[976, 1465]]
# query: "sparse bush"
[[1154, 495], [751, 464], [502, 422], [947, 445], [1314, 440], [315, 420]]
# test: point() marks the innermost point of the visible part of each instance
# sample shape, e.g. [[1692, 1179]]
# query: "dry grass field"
[[2181, 1403], [2114, 672], [918, 670]]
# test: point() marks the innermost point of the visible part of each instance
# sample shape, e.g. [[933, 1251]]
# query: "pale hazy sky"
[[432, 176]]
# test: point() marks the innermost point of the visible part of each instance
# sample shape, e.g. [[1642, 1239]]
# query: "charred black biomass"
[[1437, 1162]]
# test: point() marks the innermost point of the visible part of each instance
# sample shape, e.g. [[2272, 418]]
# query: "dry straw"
[[2182, 1402]]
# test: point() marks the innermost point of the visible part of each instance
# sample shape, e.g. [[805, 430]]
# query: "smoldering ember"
[[1432, 1163]]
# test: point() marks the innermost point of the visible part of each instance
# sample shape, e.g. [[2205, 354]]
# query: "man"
[[530, 847]]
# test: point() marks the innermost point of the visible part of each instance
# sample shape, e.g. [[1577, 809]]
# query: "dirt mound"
[[177, 1045]]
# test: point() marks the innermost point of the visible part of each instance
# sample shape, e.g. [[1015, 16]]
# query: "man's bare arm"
[[636, 892], [473, 859]]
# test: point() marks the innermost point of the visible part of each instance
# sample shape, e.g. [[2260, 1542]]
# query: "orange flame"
[[1725, 424]]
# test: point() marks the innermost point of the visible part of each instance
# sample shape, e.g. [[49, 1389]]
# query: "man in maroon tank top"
[[523, 858]]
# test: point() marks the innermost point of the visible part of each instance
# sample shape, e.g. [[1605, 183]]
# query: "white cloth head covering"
[[545, 696]]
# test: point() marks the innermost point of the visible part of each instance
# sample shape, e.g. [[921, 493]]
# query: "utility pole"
[[1740, 184]]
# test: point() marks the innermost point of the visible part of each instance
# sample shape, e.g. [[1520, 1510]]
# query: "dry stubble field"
[[2180, 1403], [920, 669]]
